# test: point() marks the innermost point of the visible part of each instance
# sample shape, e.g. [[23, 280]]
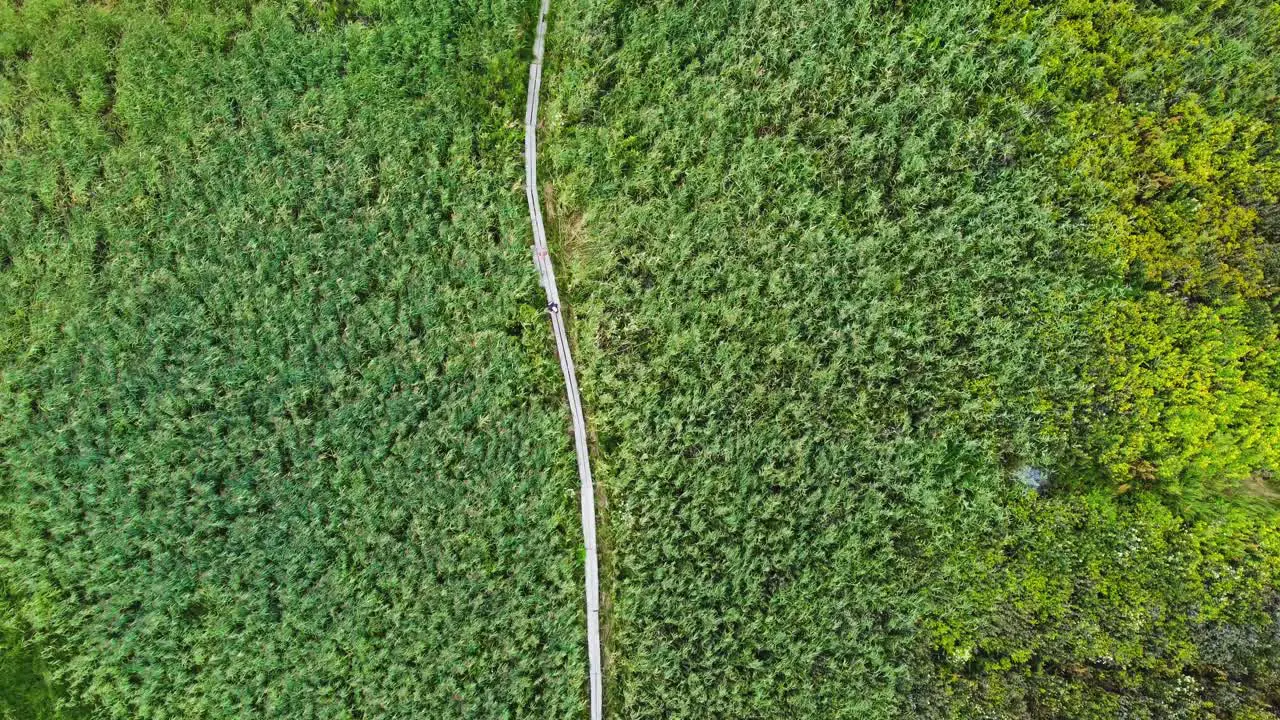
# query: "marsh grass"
[[279, 436], [849, 268]]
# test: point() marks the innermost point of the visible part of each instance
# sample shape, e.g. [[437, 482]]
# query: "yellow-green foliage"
[[1181, 188], [1162, 127], [1165, 132], [1192, 397], [26, 690]]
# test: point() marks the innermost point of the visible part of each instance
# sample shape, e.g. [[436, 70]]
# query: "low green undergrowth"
[[26, 689], [1093, 608]]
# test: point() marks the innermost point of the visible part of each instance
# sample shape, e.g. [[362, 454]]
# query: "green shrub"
[[1192, 399], [1099, 609], [1164, 131]]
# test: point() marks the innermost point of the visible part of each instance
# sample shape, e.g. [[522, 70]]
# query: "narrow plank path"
[[547, 276]]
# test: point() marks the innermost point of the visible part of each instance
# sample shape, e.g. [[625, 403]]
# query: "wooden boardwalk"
[[547, 276]]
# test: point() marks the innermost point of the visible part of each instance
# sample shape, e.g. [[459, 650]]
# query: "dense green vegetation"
[[845, 272], [281, 427], [279, 434], [1165, 133], [26, 690], [1163, 130], [820, 313]]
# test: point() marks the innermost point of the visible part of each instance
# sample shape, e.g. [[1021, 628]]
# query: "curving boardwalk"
[[547, 276]]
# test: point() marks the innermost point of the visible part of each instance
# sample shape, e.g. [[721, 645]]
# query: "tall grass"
[[281, 429], [840, 287], [279, 433]]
